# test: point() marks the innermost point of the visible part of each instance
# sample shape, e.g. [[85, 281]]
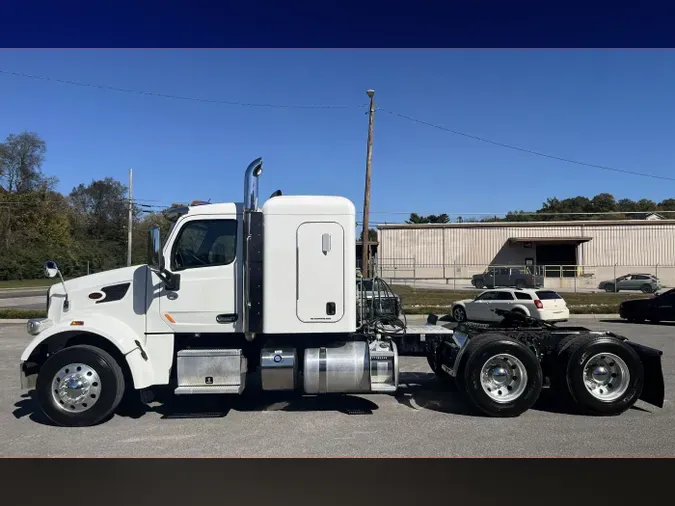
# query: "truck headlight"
[[37, 325]]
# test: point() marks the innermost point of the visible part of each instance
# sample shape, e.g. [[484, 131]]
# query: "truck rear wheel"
[[79, 386], [500, 376], [602, 375]]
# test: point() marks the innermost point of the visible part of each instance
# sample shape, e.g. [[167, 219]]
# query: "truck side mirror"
[[51, 269], [156, 261], [155, 257]]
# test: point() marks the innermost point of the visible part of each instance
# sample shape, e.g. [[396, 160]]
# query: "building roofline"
[[528, 224]]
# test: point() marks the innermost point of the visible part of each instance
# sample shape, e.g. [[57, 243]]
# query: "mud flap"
[[653, 391]]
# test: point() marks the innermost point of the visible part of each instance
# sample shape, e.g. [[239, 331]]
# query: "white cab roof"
[[309, 204], [217, 208]]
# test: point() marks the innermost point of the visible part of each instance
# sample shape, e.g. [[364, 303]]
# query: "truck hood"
[[98, 280]]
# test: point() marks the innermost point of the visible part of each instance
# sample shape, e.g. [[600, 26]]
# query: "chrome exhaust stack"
[[252, 266], [253, 172]]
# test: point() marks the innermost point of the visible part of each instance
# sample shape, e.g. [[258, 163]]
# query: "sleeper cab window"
[[205, 243]]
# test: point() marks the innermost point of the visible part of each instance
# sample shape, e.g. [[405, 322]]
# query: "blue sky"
[[613, 108]]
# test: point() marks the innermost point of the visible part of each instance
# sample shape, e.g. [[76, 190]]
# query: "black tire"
[[111, 390], [479, 285], [459, 314], [520, 284], [610, 288], [573, 355], [482, 349], [647, 289]]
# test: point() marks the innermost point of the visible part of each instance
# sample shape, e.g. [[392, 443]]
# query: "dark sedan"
[[656, 309]]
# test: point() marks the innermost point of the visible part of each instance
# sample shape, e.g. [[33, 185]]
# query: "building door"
[[558, 259]]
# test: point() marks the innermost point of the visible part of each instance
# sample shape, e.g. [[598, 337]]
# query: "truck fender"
[[111, 329]]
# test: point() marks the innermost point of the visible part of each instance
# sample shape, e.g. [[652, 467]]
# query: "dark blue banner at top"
[[326, 24]]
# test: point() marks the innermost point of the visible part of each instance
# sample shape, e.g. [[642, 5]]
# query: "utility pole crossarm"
[[366, 199]]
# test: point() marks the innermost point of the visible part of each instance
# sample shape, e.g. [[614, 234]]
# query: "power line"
[[177, 97], [524, 150], [533, 213]]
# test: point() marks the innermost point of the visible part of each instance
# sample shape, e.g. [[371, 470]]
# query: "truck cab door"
[[206, 252]]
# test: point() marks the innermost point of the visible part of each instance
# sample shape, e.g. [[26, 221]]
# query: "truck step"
[[215, 389]]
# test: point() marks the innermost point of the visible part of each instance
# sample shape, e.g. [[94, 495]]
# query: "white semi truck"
[[237, 290]]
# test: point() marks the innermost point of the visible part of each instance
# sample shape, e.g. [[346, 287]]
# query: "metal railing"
[[568, 278]]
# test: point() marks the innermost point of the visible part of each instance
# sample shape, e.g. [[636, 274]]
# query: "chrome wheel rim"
[[606, 376], [458, 313], [503, 378], [76, 388]]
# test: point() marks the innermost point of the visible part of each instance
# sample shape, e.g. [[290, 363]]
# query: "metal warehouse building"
[[577, 254]]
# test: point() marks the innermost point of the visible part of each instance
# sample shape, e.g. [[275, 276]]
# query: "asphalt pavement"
[[421, 420]]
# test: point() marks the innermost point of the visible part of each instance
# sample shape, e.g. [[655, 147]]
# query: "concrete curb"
[[12, 321]]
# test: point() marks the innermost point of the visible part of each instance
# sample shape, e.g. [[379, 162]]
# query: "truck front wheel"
[[501, 376], [79, 386]]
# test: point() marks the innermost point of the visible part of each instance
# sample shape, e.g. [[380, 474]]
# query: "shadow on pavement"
[[28, 407], [215, 406], [417, 390], [626, 322]]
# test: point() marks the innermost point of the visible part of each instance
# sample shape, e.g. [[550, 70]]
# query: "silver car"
[[646, 283]]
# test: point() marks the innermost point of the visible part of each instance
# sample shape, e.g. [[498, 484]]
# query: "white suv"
[[543, 304]]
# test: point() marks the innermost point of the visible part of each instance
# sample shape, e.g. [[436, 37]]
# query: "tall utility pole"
[[130, 224], [366, 198]]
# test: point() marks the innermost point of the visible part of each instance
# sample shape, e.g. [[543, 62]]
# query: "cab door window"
[[205, 243]]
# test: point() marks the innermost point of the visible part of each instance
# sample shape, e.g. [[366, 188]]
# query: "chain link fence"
[[565, 278]]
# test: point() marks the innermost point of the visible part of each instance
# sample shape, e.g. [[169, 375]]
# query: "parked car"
[[507, 276], [646, 283], [543, 304], [659, 308]]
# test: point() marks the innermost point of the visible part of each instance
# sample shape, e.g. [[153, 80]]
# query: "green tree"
[[372, 235], [99, 221], [21, 158], [432, 218]]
